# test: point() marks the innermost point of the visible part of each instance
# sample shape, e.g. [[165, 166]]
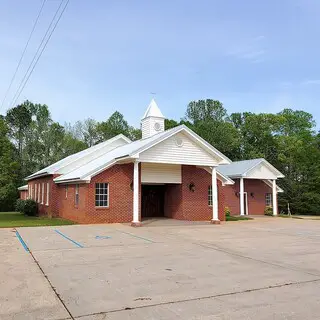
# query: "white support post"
[[215, 216], [136, 221], [274, 198], [241, 197]]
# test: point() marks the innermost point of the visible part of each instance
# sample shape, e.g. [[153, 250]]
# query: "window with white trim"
[[42, 193], [35, 192], [268, 200], [48, 192], [102, 195], [66, 190], [39, 192], [210, 202], [30, 192], [76, 198]]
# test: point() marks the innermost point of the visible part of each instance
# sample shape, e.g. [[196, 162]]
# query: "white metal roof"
[[132, 150], [23, 188], [72, 159], [241, 168], [153, 111]]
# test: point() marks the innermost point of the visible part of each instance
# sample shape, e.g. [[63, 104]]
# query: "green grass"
[[16, 219], [237, 218]]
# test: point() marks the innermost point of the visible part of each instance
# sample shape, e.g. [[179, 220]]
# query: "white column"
[[136, 193], [215, 217], [241, 197], [274, 198]]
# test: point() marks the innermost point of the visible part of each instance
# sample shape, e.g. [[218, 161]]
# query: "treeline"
[[31, 140]]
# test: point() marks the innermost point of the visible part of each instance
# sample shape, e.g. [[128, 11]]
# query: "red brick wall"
[[53, 207], [183, 204], [23, 194], [68, 208], [120, 207], [256, 203]]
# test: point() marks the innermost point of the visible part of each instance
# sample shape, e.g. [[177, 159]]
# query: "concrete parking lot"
[[267, 268]]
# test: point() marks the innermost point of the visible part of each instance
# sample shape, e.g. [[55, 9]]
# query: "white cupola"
[[152, 121]]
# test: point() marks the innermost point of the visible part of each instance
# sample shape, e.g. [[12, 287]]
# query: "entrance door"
[[152, 201]]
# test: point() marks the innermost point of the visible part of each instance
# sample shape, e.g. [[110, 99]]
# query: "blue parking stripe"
[[66, 237], [133, 235], [22, 242]]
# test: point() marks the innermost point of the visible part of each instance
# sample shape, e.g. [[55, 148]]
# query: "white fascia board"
[[223, 178], [23, 188], [40, 175], [71, 181], [227, 180], [197, 138], [269, 184], [269, 165]]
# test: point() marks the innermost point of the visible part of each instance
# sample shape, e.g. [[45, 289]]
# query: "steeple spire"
[[153, 110], [152, 121]]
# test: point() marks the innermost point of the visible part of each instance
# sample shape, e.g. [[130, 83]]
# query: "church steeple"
[[152, 121]]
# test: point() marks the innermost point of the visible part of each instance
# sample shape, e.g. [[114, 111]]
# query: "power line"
[[35, 58], [23, 53]]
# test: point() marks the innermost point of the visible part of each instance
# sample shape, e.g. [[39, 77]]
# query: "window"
[[35, 192], [39, 190], [210, 196], [268, 200], [42, 193], [76, 199], [102, 195], [48, 191], [30, 192], [66, 189]]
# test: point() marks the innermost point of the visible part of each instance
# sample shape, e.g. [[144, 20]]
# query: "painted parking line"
[[22, 241], [102, 237], [133, 235], [66, 237]]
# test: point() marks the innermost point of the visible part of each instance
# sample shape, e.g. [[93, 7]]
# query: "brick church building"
[[168, 173]]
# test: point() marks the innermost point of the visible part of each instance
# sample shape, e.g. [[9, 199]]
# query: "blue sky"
[[258, 56]]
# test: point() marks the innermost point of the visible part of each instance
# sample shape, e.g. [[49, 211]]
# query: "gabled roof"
[[72, 159], [239, 169], [153, 111], [131, 151], [23, 188]]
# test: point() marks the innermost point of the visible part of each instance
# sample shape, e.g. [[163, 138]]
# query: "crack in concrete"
[[220, 249], [200, 298]]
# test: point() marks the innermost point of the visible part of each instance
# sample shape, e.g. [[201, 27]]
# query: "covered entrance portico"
[[255, 186], [176, 192]]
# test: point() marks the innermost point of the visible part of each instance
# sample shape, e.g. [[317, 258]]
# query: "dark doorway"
[[152, 201]]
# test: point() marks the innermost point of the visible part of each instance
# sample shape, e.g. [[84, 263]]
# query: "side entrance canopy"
[[253, 169]]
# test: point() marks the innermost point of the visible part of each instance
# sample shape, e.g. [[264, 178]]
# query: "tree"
[[9, 169], [204, 110], [115, 125], [19, 119]]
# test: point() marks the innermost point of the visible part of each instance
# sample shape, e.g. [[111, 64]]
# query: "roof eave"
[[36, 176]]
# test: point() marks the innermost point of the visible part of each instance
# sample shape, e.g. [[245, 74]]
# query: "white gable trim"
[[221, 177], [269, 184], [264, 162], [201, 142]]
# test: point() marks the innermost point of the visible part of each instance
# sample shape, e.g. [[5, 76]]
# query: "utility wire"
[[23, 53], [35, 58]]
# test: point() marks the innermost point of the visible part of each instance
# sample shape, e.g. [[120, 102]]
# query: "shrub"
[[20, 204], [227, 211], [268, 211], [30, 208]]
